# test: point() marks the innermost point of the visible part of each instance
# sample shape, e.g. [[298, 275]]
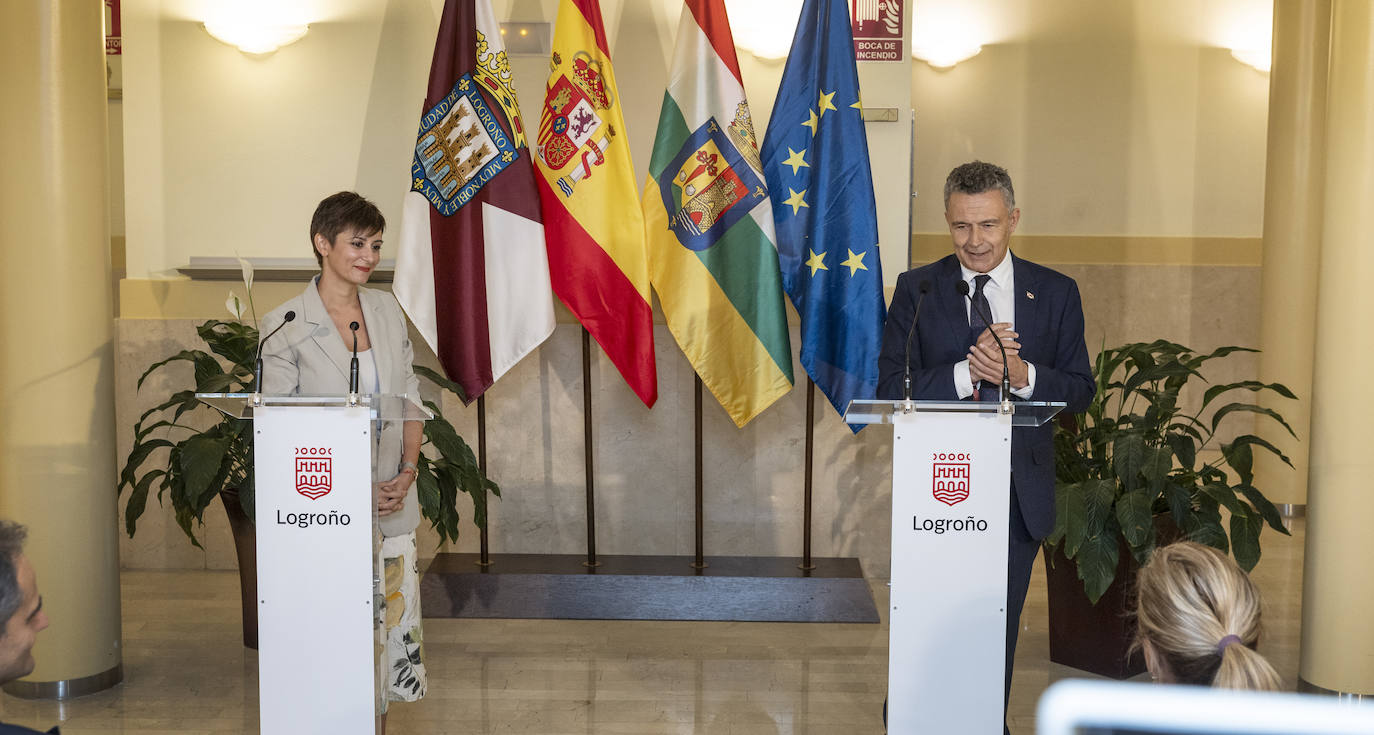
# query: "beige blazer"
[[309, 357]]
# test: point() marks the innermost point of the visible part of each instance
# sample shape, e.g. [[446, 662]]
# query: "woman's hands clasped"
[[391, 495]]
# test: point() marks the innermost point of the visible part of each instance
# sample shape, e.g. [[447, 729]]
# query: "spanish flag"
[[712, 251], [595, 234]]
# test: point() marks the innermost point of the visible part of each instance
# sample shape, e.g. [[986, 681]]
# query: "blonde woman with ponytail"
[[1198, 620]]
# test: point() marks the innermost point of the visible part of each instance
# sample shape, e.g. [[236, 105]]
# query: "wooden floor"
[[186, 672]]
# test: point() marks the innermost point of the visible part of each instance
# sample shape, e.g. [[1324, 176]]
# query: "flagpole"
[[700, 562], [485, 557], [806, 475], [587, 447]]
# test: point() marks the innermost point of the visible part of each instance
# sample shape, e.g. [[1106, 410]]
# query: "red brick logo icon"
[[949, 482], [314, 472]]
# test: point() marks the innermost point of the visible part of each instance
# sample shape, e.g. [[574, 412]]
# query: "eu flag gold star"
[[825, 103], [858, 104], [813, 123], [796, 200], [855, 263], [796, 159], [816, 262]]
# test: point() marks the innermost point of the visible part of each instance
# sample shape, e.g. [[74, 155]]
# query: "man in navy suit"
[[1037, 315]]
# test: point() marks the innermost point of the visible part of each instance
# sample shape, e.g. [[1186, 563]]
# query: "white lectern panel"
[[947, 618], [316, 644]]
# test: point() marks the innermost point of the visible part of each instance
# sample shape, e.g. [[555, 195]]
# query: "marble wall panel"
[[1201, 307], [159, 543], [643, 458]]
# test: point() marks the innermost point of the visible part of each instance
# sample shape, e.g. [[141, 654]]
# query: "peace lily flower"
[[233, 304]]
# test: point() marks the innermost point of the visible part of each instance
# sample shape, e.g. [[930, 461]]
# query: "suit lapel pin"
[[1030, 295]]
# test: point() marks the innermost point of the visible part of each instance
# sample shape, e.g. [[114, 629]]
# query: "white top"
[[368, 380], [1001, 294]]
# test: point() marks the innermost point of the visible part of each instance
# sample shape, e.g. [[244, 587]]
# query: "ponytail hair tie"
[[1224, 642]]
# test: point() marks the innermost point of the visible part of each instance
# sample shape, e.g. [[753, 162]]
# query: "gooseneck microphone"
[[923, 288], [987, 320], [257, 362], [353, 364]]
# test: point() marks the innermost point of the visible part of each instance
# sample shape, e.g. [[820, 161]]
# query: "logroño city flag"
[[710, 222], [591, 212], [471, 270], [815, 157]]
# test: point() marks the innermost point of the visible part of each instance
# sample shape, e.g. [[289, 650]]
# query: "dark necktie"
[[985, 391]]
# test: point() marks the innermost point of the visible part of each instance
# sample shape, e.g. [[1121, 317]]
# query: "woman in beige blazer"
[[311, 355]]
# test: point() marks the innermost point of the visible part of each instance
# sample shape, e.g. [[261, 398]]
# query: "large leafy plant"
[[188, 463], [1137, 453]]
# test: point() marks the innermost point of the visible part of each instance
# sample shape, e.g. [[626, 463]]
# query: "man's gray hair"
[[12, 537], [977, 177]]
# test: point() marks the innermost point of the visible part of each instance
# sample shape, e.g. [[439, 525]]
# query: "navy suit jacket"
[[1049, 322], [21, 730]]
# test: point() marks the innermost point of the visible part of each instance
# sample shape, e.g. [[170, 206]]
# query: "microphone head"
[[354, 325], [288, 316], [925, 285], [962, 287]]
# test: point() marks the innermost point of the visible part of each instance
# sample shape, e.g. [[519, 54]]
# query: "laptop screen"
[[1081, 707]]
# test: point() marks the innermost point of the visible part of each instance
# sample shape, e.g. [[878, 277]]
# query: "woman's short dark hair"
[[342, 211]]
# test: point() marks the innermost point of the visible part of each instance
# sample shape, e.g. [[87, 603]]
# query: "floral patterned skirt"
[[402, 641]]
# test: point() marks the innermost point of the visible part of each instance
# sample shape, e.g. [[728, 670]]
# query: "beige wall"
[[1121, 118], [1114, 118], [233, 152]]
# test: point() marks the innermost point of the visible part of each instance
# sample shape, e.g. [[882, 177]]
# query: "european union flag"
[[815, 160]]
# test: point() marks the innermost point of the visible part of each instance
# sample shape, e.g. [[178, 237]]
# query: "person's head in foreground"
[[1198, 620], [21, 607]]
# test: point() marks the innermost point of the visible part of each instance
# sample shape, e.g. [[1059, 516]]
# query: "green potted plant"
[[1130, 473], [189, 463]]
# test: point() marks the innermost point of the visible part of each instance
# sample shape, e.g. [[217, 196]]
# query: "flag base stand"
[[730, 588]]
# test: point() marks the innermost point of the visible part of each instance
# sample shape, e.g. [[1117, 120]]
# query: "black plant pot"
[[1097, 638], [246, 546], [1090, 637]]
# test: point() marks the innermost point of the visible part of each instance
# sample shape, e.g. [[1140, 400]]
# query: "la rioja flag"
[[471, 270]]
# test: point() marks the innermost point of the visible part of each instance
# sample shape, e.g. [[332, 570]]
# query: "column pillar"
[[57, 439], [1292, 232], [1338, 598]]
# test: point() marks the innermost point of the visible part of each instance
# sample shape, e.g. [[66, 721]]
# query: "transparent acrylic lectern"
[[317, 549], [951, 484]]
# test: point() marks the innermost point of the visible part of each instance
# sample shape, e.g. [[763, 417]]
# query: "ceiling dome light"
[[944, 55], [1258, 58], [255, 27]]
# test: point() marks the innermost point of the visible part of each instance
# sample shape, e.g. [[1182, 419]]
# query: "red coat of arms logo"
[[949, 481], [314, 472]]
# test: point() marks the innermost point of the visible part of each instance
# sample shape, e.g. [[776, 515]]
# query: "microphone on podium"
[[923, 288], [353, 364], [257, 362]]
